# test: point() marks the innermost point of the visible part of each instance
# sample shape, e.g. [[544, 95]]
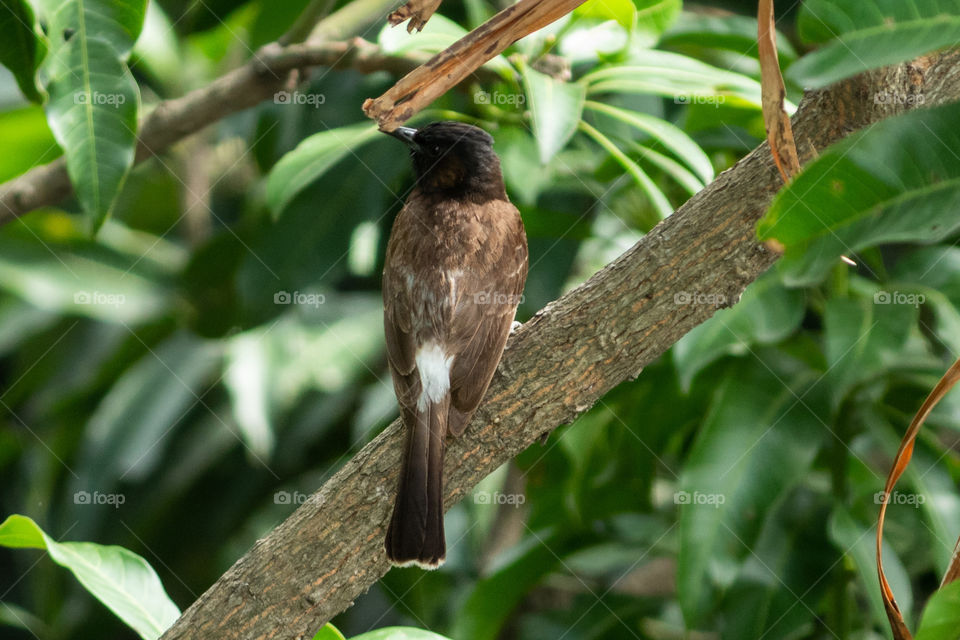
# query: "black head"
[[454, 158]]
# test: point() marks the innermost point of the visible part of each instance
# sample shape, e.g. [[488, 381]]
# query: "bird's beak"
[[404, 134]]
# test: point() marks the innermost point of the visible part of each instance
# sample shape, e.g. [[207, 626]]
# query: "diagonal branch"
[[556, 366]]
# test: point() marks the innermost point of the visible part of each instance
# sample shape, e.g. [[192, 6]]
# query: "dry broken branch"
[[425, 84], [418, 11]]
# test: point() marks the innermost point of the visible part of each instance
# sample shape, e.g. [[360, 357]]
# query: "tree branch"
[[556, 366], [257, 80]]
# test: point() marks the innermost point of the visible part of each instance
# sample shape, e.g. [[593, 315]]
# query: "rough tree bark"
[[556, 366]]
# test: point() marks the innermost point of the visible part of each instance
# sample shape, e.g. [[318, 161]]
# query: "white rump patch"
[[434, 367]]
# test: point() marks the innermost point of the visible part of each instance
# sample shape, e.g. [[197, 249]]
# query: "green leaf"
[[863, 339], [821, 21], [670, 167], [94, 99], [941, 616], [934, 273], [755, 429], [898, 181], [674, 76], [669, 135], [622, 11], [780, 583], [117, 577], [311, 159], [654, 16], [730, 33], [328, 632], [246, 379], [494, 597], [859, 542], [26, 131], [874, 47], [555, 107], [657, 199], [766, 313], [399, 633], [22, 45]]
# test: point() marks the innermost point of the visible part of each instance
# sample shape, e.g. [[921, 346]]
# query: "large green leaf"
[[94, 99], [117, 577], [756, 428], [898, 181], [766, 313], [555, 107], [821, 21], [941, 616], [869, 48], [311, 159], [22, 45]]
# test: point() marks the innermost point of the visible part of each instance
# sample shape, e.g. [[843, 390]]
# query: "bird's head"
[[455, 159]]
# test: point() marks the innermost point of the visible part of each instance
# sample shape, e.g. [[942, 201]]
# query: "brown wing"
[[401, 348], [486, 306]]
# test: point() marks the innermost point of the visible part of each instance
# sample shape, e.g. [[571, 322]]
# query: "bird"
[[454, 273]]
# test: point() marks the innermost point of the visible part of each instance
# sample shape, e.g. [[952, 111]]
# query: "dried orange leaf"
[[900, 462], [773, 94]]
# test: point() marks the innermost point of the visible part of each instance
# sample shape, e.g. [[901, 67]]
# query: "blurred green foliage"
[[214, 353]]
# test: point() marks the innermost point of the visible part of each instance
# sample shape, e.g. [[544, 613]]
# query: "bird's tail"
[[415, 533]]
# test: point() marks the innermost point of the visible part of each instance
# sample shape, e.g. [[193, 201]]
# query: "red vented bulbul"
[[455, 269]]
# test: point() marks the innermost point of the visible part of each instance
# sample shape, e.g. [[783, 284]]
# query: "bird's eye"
[[435, 149]]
